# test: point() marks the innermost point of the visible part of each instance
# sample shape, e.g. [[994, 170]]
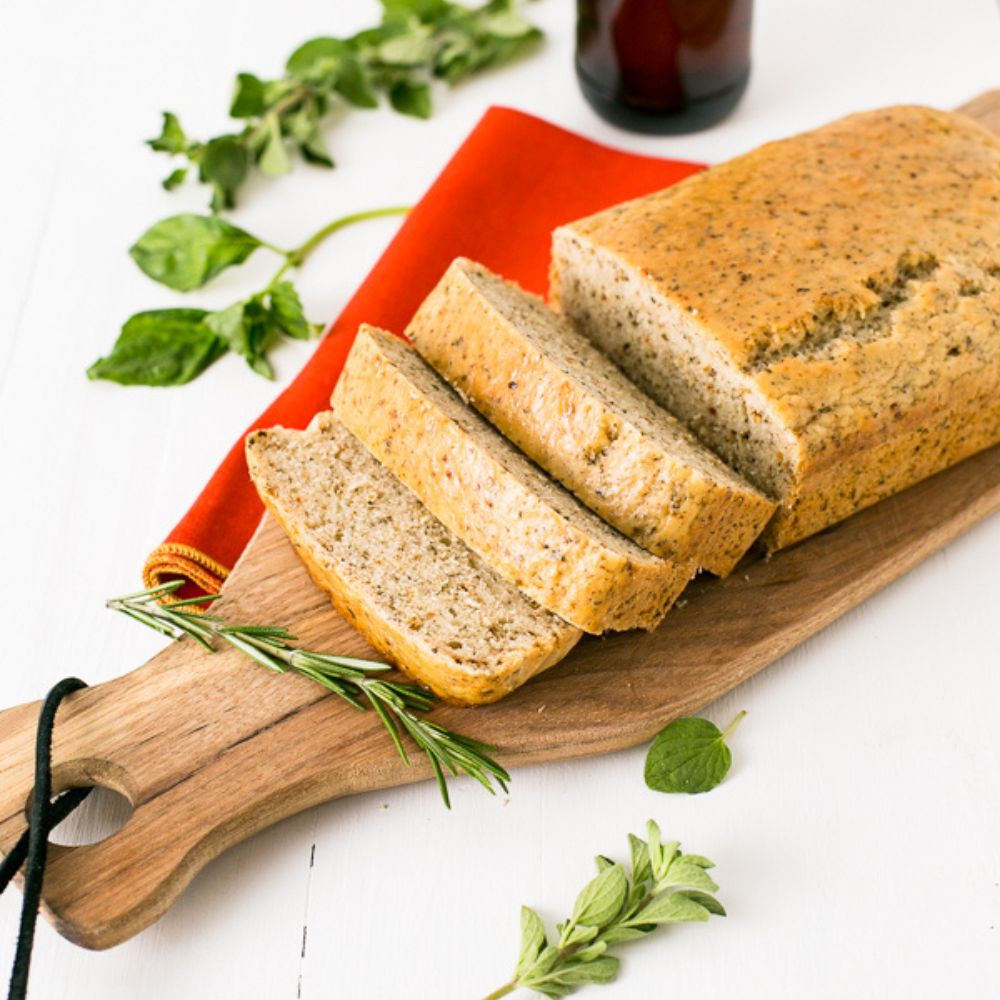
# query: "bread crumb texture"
[[528, 528], [568, 408], [824, 311], [421, 597]]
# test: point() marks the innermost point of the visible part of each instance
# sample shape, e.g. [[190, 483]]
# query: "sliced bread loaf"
[[533, 532], [824, 311], [568, 408], [419, 595]]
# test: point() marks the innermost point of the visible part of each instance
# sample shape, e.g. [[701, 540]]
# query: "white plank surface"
[[857, 835]]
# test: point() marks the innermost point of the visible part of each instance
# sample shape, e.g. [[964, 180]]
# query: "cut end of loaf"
[[529, 529], [561, 401], [420, 596], [822, 312]]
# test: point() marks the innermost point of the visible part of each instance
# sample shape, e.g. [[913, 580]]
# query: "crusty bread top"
[[758, 248], [846, 282]]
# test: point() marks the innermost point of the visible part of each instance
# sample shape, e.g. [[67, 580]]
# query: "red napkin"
[[513, 180]]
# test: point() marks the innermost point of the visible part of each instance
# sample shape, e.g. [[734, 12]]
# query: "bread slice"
[[527, 527], [568, 408], [824, 311], [420, 596]]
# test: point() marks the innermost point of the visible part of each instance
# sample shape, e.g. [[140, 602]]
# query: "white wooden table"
[[856, 837]]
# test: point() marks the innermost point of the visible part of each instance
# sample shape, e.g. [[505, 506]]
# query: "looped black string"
[[34, 842]]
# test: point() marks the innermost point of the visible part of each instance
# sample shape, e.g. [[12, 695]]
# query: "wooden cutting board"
[[210, 748]]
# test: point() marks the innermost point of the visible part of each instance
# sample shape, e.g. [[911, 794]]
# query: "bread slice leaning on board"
[[528, 528], [823, 312], [568, 408], [420, 596]]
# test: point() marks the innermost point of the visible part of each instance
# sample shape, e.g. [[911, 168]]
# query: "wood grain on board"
[[210, 748]]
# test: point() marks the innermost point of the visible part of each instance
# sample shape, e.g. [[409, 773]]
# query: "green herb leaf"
[[248, 97], [602, 898], [186, 251], [689, 755], [610, 911], [248, 329], [410, 98], [675, 908], [288, 314], [601, 970], [174, 179], [273, 159], [223, 163], [318, 60], [171, 139], [532, 939], [160, 347]]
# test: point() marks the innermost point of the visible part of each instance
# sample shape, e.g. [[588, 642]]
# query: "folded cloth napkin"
[[513, 180]]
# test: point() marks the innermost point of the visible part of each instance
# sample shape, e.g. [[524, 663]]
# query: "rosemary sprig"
[[664, 886], [354, 680]]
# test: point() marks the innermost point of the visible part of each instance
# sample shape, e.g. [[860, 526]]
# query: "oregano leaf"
[[532, 939], [601, 898], [689, 755]]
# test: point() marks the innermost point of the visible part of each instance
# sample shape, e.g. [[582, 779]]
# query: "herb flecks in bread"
[[563, 403], [824, 311], [412, 588], [528, 528]]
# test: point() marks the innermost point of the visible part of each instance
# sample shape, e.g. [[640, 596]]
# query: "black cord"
[[34, 842]]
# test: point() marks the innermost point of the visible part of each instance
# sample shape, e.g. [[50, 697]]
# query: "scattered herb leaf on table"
[[690, 755], [662, 887], [416, 42]]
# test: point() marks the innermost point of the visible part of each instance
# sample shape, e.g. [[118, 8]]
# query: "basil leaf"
[[412, 99], [248, 330], [185, 251], [532, 939], [160, 347], [413, 49], [601, 898], [689, 755], [248, 97], [639, 852], [287, 312], [171, 139]]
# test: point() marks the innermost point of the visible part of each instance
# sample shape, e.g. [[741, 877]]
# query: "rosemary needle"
[[356, 681]]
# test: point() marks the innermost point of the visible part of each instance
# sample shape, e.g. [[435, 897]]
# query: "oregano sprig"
[[164, 347], [415, 42], [398, 704], [663, 886]]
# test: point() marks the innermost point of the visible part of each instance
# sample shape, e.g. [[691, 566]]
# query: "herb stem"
[[503, 991], [731, 728], [298, 256]]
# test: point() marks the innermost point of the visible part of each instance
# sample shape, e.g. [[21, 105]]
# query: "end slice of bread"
[[528, 528], [568, 408], [417, 593]]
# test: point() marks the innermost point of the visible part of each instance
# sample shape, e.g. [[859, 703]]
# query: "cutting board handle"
[[208, 748]]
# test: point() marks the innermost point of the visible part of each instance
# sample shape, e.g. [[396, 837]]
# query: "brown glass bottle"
[[665, 66]]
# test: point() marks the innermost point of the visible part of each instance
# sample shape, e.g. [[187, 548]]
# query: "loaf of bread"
[[527, 527], [420, 596], [824, 311], [568, 408]]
